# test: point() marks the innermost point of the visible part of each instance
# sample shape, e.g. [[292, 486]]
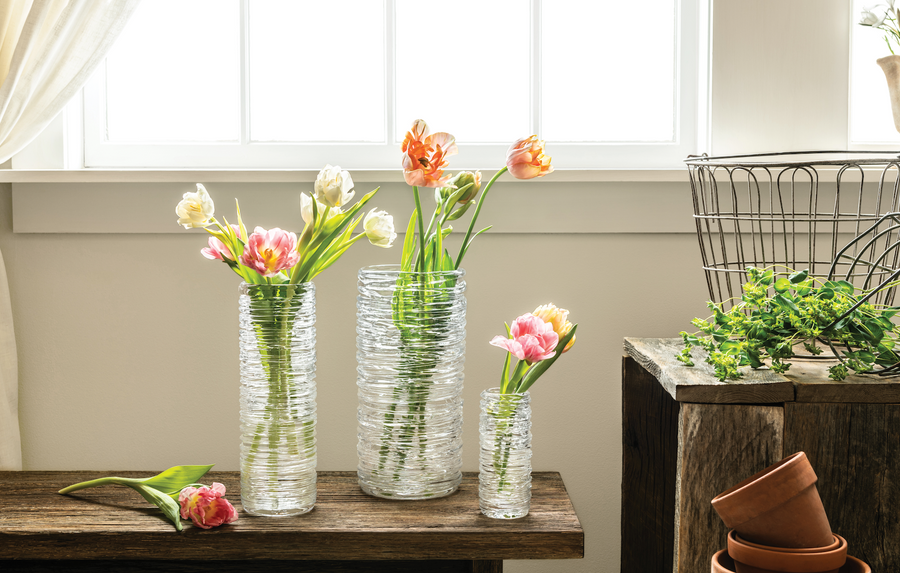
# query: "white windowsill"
[[302, 176]]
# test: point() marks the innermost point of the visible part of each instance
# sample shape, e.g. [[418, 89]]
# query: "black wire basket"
[[802, 210]]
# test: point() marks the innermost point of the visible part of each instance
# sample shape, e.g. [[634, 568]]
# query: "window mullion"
[[245, 71], [536, 66], [390, 65]]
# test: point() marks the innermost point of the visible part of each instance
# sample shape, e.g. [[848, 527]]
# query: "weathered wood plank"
[[115, 523], [649, 455], [855, 451], [216, 566], [718, 446], [812, 384], [698, 383]]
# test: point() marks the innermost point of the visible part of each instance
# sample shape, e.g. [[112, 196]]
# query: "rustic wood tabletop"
[[115, 523]]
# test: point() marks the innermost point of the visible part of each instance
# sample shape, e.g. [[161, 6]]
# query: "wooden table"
[[113, 529], [686, 437]]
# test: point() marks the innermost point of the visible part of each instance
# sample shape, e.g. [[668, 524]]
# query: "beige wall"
[[128, 342]]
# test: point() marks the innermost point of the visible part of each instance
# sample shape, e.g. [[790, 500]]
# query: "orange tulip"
[[424, 155], [525, 158]]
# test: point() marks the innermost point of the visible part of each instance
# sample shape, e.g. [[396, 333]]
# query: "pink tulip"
[[270, 252], [216, 250], [532, 339], [206, 506], [424, 155], [525, 158]]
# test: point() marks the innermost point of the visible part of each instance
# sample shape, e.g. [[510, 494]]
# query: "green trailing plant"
[[780, 312]]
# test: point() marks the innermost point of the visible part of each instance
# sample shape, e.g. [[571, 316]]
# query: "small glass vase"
[[278, 398], [411, 342], [504, 482]]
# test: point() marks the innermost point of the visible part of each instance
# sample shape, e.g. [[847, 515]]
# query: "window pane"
[[174, 73], [871, 120], [316, 70], [464, 67], [606, 76]]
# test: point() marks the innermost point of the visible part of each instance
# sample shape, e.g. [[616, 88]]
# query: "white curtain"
[[48, 50]]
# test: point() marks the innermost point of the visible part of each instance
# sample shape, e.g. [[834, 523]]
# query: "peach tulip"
[[270, 252], [532, 339], [424, 155], [525, 158], [558, 318]]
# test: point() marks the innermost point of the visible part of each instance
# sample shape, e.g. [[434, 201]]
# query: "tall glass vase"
[[278, 398], [410, 353], [504, 482]]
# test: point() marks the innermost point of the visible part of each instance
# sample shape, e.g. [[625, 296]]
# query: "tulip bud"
[[464, 178]]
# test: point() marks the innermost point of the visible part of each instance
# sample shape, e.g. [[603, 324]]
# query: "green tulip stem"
[[420, 259], [465, 244]]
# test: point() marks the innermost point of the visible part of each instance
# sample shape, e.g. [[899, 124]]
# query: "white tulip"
[[306, 209], [195, 209], [379, 227], [334, 186], [869, 18]]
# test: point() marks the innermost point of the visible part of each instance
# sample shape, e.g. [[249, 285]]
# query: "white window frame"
[[691, 126]]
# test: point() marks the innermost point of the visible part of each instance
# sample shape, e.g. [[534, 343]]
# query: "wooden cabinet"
[[687, 437]]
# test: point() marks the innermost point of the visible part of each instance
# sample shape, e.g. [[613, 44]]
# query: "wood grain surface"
[[855, 452], [698, 383], [812, 384], [718, 446], [114, 522], [649, 459]]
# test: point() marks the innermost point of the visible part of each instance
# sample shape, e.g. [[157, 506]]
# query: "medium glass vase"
[[410, 353], [278, 398], [504, 480]]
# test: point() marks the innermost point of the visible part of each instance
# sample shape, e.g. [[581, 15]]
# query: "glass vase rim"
[[244, 284], [394, 269], [495, 391]]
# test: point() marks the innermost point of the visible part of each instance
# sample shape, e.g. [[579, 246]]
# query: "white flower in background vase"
[[334, 186], [195, 209], [870, 18]]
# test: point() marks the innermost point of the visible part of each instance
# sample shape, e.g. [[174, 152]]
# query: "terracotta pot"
[[890, 65], [756, 559], [835, 545], [722, 563], [779, 507]]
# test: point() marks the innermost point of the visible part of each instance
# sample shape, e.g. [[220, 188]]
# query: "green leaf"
[[798, 277], [785, 302], [176, 478], [782, 284], [409, 245], [168, 505]]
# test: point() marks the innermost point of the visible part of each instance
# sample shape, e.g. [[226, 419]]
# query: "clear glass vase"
[[278, 398], [411, 343], [504, 482]]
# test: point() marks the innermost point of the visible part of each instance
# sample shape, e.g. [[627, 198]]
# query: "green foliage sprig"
[[780, 311]]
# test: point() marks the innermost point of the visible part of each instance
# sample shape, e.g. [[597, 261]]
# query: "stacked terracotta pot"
[[779, 525]]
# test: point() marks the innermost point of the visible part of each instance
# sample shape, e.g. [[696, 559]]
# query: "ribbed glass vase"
[[278, 398], [504, 482], [411, 342]]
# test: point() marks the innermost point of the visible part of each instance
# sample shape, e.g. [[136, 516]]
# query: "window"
[[297, 84], [870, 105]]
